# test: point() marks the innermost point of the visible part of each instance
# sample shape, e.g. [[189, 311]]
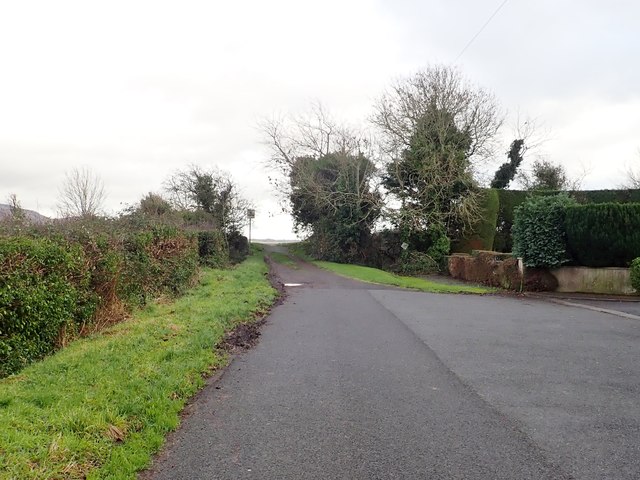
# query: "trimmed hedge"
[[510, 199], [603, 235], [539, 235]]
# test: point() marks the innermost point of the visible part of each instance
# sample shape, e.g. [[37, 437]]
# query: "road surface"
[[357, 381]]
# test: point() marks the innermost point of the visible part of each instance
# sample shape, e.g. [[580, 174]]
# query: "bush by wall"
[[510, 199], [635, 274], [426, 252], [416, 263], [603, 235], [539, 235]]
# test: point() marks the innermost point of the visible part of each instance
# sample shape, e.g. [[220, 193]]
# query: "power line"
[[481, 29]]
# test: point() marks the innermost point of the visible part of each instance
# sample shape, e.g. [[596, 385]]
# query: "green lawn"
[[374, 275], [102, 406]]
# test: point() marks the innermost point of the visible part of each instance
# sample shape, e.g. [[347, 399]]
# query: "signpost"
[[251, 214]]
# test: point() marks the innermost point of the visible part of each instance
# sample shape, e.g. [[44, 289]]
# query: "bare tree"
[[15, 208], [298, 143], [82, 194], [310, 135], [440, 88], [633, 177], [211, 191]]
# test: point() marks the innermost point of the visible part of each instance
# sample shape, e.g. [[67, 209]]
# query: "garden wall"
[[613, 280]]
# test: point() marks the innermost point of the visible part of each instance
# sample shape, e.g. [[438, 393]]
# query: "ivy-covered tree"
[[433, 178], [507, 171], [326, 179], [436, 127], [331, 196]]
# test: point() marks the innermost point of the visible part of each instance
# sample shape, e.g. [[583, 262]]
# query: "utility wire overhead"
[[480, 31]]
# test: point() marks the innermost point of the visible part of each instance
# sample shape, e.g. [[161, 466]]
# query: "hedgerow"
[[604, 234], [73, 278]]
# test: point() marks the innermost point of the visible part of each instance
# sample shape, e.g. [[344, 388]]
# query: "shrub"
[[158, 260], [212, 248], [635, 274], [510, 199], [74, 277], [44, 298], [604, 235], [539, 231], [458, 264], [238, 247], [539, 280], [491, 268], [417, 263]]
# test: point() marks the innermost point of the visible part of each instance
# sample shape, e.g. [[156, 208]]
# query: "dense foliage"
[[332, 197], [510, 199], [539, 235], [44, 296], [75, 277], [432, 177], [604, 235]]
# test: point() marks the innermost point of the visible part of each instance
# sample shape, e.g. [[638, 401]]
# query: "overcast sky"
[[137, 89]]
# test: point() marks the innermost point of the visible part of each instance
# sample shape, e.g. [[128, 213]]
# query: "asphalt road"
[[354, 381]]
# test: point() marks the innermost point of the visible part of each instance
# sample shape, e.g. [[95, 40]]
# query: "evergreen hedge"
[[539, 235], [510, 199], [603, 235]]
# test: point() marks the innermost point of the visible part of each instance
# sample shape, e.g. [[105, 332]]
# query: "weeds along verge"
[[73, 278]]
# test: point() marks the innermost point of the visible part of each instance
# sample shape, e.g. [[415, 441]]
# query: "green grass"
[[299, 250], [102, 406], [283, 259], [374, 275]]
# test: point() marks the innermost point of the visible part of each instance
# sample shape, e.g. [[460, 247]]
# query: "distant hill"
[[32, 216]]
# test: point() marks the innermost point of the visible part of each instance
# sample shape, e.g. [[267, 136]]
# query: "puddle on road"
[[293, 284]]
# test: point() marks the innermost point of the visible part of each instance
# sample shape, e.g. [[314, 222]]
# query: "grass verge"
[[374, 275], [283, 259], [102, 406]]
